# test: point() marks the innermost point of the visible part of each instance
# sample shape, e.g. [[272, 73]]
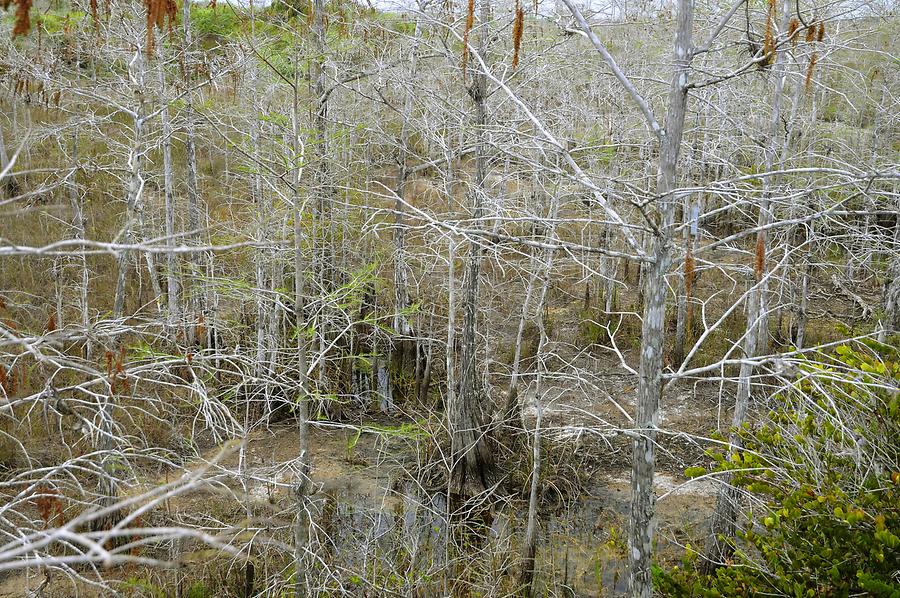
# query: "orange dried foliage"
[[760, 263], [809, 71], [470, 21], [159, 13], [12, 379], [48, 504], [518, 27], [95, 16], [811, 34], [792, 31], [769, 42], [820, 34], [200, 329], [115, 371], [171, 13], [151, 6], [23, 18], [51, 323]]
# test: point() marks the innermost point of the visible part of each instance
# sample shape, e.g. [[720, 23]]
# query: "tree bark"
[[530, 547], [78, 225], [450, 355], [686, 285], [199, 302], [425, 385], [470, 457], [260, 365], [172, 293], [512, 393], [643, 502], [891, 323], [304, 484], [136, 185], [8, 187]]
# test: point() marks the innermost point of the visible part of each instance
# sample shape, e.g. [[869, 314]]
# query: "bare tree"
[[470, 457]]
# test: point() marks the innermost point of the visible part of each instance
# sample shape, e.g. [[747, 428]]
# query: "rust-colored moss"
[[811, 33], [760, 262], [769, 39], [95, 15], [470, 21], [22, 23], [518, 27], [793, 27], [809, 71]]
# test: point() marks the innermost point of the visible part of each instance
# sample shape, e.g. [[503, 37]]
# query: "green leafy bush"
[[824, 473], [221, 21]]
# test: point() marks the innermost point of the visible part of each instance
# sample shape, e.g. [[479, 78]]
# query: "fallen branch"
[[865, 307]]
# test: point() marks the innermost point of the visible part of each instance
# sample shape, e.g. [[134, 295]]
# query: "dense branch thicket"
[[484, 298]]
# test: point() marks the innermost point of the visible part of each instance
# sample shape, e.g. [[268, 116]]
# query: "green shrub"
[[221, 21], [825, 467], [199, 590]]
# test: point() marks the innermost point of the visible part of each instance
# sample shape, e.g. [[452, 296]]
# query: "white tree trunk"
[[530, 546], [304, 485], [6, 181], [78, 226], [136, 185], [643, 501], [451, 325], [172, 293]]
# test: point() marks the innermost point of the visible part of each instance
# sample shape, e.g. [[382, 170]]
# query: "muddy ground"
[[369, 508]]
